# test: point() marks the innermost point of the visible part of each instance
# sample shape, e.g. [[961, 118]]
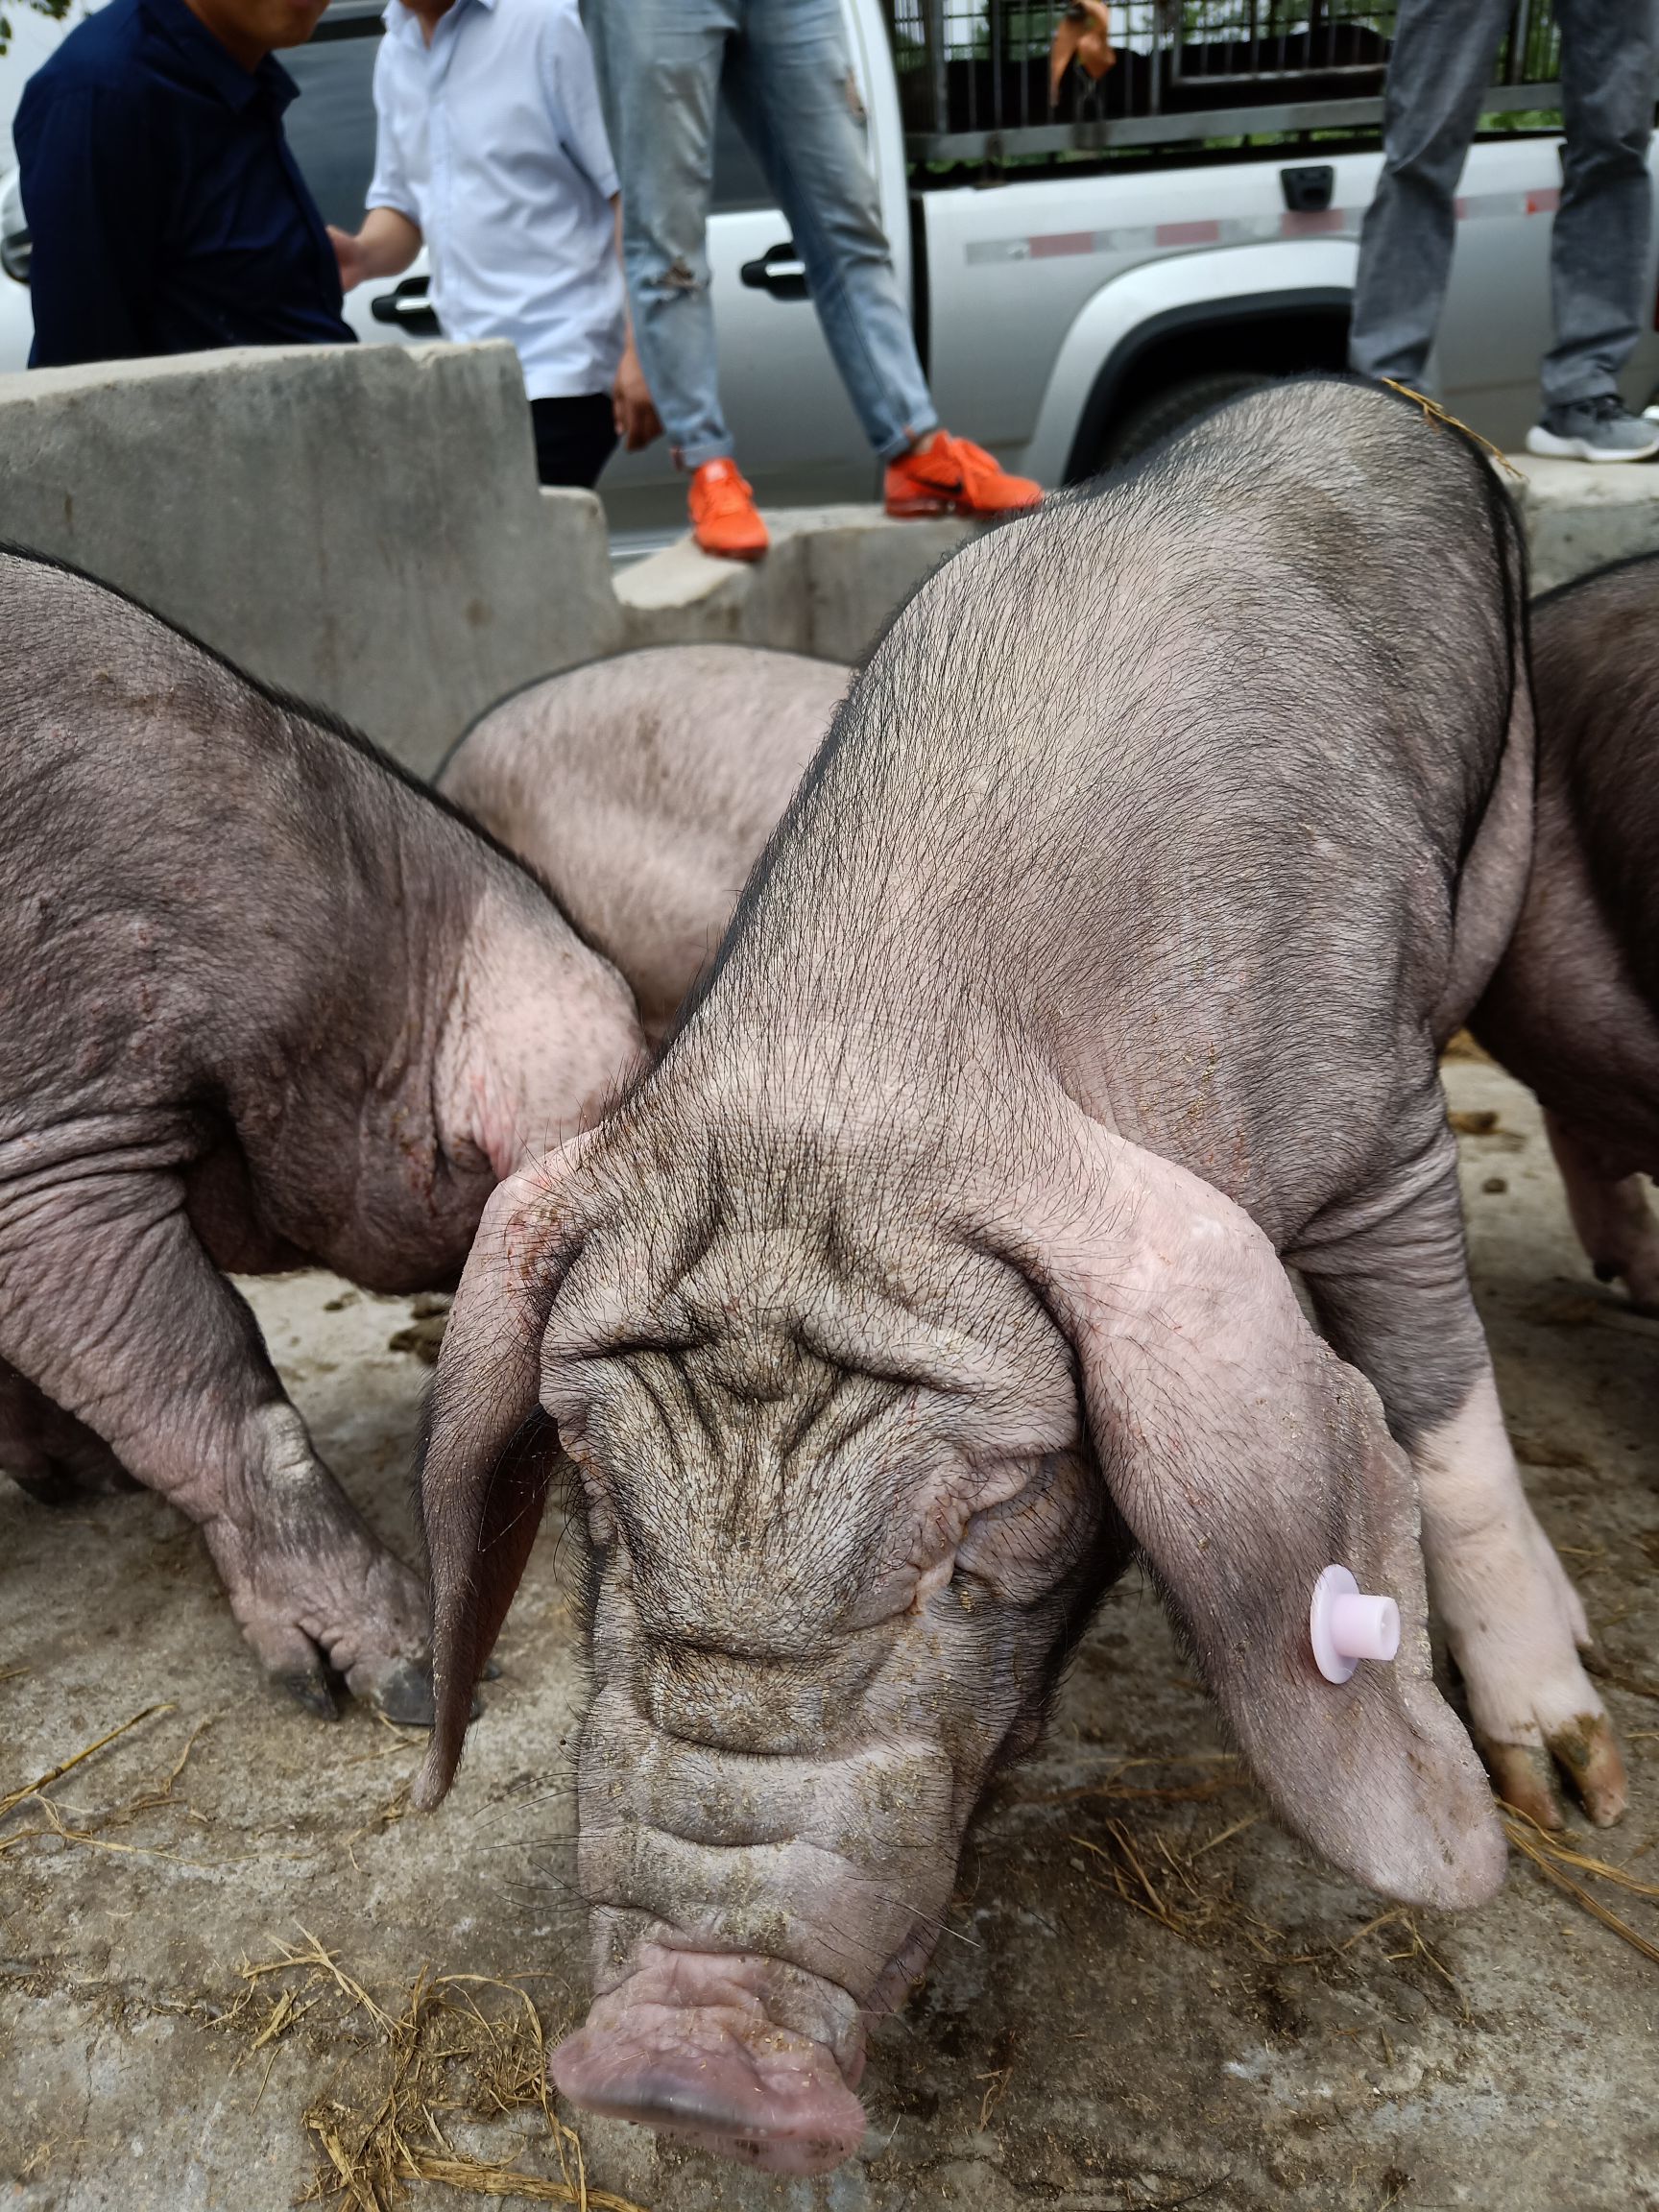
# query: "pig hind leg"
[[1616, 1223], [1390, 1281], [47, 1452], [111, 1304]]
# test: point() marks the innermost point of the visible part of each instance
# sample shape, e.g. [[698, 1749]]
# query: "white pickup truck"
[[1084, 267]]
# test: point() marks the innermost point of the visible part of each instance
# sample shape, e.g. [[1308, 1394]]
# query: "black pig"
[[1098, 965], [265, 1003], [1573, 1008]]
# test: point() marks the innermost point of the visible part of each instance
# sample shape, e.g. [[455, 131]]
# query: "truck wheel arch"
[[1272, 307], [1271, 336]]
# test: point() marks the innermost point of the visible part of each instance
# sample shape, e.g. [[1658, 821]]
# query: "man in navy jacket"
[[164, 208]]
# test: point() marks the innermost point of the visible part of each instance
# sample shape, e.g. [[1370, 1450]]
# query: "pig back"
[[181, 845], [1172, 784], [1573, 1008], [218, 906], [640, 790]]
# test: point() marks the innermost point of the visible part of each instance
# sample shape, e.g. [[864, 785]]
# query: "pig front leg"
[[1390, 1281], [47, 1452], [1615, 1222], [111, 1310]]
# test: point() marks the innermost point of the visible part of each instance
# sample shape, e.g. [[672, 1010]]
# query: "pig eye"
[[585, 1491], [601, 1522], [638, 1347], [1018, 1549]]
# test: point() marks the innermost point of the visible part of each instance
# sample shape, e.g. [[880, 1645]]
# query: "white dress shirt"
[[492, 140]]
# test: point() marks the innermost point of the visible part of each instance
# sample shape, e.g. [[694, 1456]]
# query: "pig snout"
[[728, 2052], [768, 1842], [753, 1900]]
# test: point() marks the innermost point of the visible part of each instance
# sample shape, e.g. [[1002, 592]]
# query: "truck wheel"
[[1170, 409]]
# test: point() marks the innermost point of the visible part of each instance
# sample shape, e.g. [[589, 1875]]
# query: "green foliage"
[[56, 10]]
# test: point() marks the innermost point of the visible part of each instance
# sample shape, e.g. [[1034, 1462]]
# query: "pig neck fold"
[[535, 1032]]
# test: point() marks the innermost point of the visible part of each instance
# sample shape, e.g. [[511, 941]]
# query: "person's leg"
[[1599, 253], [1441, 64], [791, 88], [660, 73], [575, 439]]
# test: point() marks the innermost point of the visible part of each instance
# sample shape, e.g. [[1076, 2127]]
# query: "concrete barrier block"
[[831, 579], [360, 525], [1581, 515]]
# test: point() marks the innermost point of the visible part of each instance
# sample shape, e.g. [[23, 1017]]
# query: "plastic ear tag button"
[[1346, 1625]]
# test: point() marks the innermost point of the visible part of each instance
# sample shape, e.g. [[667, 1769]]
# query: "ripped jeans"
[[785, 68]]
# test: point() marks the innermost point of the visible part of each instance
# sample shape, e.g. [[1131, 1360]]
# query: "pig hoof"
[[1586, 1751], [403, 1693], [1524, 1778], [308, 1687], [53, 1490]]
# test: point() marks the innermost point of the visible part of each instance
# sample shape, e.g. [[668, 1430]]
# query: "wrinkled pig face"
[[842, 1541]]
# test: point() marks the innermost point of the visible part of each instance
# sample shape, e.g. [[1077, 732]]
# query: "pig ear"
[[488, 1451], [1246, 1457]]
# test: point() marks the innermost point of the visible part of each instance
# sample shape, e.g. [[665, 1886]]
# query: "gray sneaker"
[[1600, 429]]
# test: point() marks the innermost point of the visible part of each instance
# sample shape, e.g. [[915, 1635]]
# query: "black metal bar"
[[1095, 134]]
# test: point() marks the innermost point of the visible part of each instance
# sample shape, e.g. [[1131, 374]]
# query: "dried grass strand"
[[10, 1802], [1435, 413], [373, 2150], [1551, 1858]]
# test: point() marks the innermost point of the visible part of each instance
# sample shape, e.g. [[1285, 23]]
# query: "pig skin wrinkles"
[[1096, 970]]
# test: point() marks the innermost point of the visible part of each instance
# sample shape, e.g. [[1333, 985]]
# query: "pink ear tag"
[[1347, 1627]]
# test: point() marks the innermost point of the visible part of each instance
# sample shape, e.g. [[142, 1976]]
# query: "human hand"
[[638, 421], [349, 252]]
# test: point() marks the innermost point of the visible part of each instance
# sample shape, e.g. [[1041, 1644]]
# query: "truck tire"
[[1163, 412]]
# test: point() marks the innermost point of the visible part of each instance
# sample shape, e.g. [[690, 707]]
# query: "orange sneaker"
[[950, 476], [723, 518]]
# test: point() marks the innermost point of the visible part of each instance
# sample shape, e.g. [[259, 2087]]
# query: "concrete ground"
[[1148, 1996]]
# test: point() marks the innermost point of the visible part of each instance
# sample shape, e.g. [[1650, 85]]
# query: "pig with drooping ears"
[[1573, 1008], [265, 1001], [1097, 968]]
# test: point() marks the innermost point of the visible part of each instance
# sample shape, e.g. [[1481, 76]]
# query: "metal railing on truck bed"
[[990, 79]]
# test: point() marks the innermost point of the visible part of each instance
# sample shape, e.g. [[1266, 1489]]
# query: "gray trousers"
[[1444, 51]]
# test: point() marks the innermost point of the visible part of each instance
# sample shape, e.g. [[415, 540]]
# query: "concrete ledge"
[[831, 579], [362, 526], [1581, 515]]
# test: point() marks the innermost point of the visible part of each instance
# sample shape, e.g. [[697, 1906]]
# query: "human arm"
[[384, 247], [389, 237], [573, 98], [638, 421], [94, 211]]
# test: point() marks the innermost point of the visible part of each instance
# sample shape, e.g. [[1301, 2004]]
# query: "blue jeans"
[[1442, 63], [787, 79]]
